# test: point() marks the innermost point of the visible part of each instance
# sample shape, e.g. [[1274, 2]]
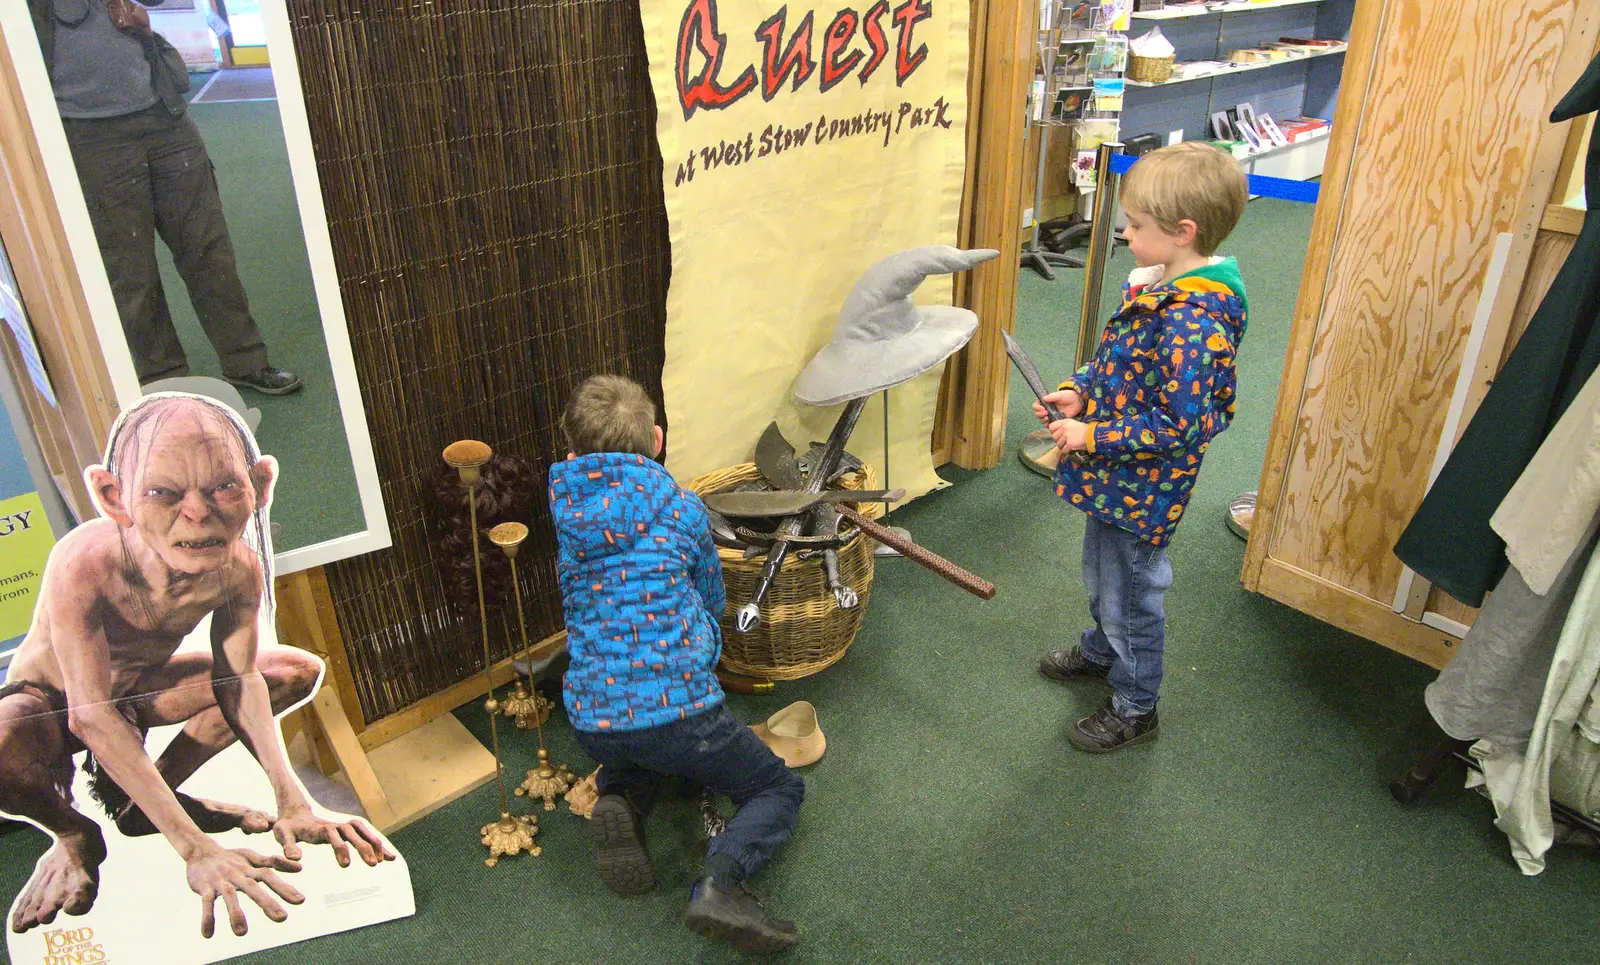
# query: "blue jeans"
[[716, 751], [1127, 579]]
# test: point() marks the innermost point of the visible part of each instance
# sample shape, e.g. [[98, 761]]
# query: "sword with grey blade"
[[1030, 375]]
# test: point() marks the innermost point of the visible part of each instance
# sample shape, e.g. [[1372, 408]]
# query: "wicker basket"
[[1150, 70], [802, 631]]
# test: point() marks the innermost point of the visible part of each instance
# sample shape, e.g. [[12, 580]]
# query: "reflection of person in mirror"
[[145, 171], [184, 495]]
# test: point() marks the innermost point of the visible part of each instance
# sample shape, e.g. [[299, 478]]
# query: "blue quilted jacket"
[[641, 588]]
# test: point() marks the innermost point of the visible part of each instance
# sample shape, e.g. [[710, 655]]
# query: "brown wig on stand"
[[509, 493]]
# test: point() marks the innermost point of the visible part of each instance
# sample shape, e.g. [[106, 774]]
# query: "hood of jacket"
[[1217, 287], [606, 501]]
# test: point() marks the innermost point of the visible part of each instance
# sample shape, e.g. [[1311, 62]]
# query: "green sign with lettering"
[[25, 542]]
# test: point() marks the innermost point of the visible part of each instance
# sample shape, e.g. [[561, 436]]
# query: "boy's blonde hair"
[[1189, 180], [610, 413]]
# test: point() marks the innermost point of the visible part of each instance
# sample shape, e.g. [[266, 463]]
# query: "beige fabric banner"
[[800, 145]]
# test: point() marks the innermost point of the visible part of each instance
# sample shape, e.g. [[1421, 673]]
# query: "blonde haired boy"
[[1142, 411]]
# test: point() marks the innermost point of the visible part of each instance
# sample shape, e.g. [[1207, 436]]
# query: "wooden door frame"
[[970, 419]]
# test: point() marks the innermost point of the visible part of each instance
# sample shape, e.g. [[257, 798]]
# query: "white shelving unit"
[[1299, 161], [1240, 68], [1205, 36], [1212, 9]]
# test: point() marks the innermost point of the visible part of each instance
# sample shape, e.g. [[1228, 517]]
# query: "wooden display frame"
[[1427, 626], [91, 322]]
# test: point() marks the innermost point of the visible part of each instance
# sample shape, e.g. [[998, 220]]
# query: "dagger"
[[1030, 375]]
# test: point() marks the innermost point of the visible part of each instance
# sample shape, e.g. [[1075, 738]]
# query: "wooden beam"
[[1569, 177], [984, 376], [382, 731], [1550, 252], [352, 757], [948, 411], [1359, 62], [1354, 613], [306, 619], [1559, 217]]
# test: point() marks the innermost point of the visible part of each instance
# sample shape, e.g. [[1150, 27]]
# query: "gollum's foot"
[[212, 817], [65, 880]]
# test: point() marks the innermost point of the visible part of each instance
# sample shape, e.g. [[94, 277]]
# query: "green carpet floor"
[[317, 498], [950, 820]]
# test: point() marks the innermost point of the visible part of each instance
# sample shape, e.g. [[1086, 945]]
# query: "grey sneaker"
[[268, 381]]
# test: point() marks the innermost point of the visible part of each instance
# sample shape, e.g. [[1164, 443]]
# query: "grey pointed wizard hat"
[[881, 338]]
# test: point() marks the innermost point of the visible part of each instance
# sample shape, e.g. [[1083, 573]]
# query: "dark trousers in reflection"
[[146, 174]]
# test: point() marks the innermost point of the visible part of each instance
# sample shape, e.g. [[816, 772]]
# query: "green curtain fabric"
[[1449, 540]]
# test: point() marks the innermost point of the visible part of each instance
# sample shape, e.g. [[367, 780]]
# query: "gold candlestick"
[[547, 781], [512, 834], [525, 704]]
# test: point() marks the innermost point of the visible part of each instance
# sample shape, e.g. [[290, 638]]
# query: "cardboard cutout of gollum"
[[154, 630]]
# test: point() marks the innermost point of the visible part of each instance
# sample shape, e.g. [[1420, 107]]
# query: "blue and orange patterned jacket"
[[641, 588], [1159, 388]]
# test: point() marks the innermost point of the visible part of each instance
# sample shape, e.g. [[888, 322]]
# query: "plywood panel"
[[1060, 197], [1441, 171]]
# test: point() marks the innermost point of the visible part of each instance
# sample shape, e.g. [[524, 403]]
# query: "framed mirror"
[[176, 143]]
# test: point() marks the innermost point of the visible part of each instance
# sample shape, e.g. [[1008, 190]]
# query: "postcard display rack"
[[1259, 76], [1082, 53]]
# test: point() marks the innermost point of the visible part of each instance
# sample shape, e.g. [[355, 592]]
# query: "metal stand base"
[[1410, 786], [1039, 453], [1040, 260], [1241, 513], [882, 550]]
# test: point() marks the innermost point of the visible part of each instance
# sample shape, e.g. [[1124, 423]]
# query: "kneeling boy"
[[642, 592]]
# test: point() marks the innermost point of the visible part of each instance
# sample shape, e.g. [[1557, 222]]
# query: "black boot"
[[1108, 730], [618, 834], [1071, 664], [730, 913]]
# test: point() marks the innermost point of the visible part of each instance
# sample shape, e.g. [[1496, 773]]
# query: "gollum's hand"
[[219, 873], [296, 825]]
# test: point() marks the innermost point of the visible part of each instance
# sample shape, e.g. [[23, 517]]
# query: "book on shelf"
[[1305, 128], [1270, 129]]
